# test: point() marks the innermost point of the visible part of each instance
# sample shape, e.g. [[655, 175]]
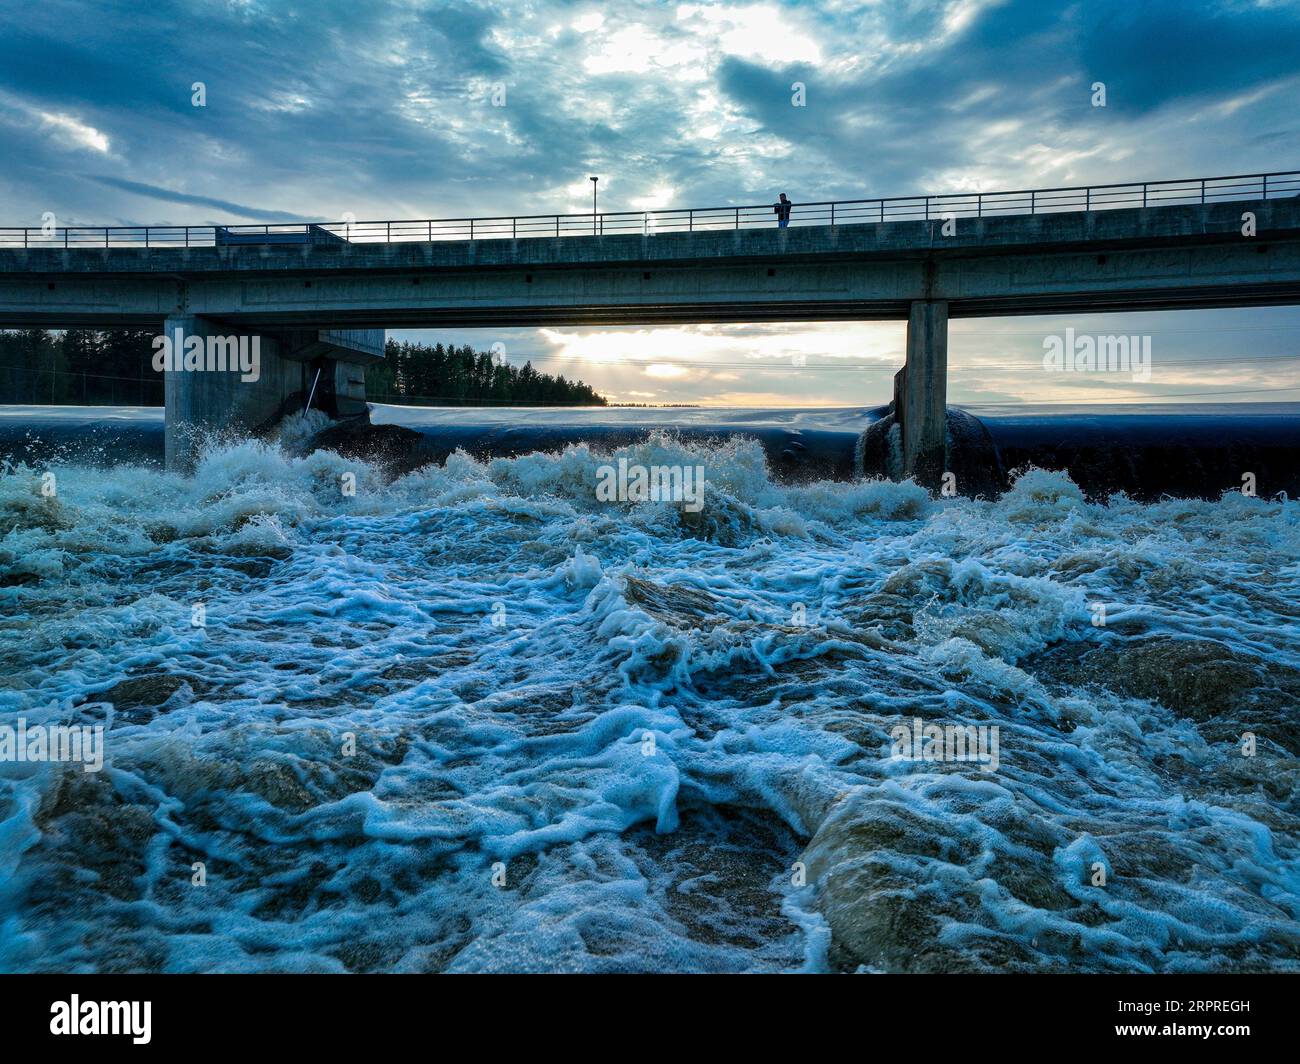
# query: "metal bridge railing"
[[1198, 190]]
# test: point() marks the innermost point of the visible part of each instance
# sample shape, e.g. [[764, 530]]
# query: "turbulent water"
[[475, 719]]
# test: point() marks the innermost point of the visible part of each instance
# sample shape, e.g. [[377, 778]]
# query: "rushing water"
[[624, 736]]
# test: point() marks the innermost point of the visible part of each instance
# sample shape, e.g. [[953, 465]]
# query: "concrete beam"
[[206, 401], [203, 401], [921, 393]]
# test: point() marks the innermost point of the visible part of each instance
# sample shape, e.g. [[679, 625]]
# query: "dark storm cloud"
[[1156, 52], [922, 106], [289, 90], [352, 104]]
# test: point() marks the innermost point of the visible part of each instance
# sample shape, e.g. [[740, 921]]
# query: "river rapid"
[[475, 718]]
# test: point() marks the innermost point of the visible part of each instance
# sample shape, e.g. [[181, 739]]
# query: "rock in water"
[[391, 447]]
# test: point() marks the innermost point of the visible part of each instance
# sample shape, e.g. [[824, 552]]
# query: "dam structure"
[[317, 296]]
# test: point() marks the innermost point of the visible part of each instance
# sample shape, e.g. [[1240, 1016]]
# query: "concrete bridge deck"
[[1148, 258]]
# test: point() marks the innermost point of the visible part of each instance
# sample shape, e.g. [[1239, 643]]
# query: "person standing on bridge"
[[782, 210]]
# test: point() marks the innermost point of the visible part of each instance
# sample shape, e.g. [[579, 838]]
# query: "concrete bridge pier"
[[228, 381], [921, 393]]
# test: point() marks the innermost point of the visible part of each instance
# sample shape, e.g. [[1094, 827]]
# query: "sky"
[[427, 109]]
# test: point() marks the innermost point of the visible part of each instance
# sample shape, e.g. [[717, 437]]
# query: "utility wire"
[[1141, 332], [1112, 398], [1028, 364], [443, 400]]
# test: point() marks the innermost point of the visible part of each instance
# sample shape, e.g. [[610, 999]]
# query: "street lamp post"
[[593, 204]]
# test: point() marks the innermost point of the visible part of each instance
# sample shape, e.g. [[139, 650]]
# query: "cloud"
[[65, 130], [385, 109], [75, 132], [168, 195]]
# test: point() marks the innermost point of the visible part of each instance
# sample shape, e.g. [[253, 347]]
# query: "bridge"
[[317, 295]]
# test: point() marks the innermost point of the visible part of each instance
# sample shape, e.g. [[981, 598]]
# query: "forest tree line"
[[418, 373], [114, 367], [79, 367]]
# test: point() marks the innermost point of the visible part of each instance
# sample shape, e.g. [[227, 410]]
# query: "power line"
[[790, 368], [734, 365], [79, 373], [1029, 363], [446, 400], [1232, 361], [1158, 395], [451, 401], [1143, 332]]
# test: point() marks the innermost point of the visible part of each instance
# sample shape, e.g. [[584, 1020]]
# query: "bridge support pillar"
[[219, 380], [921, 393]]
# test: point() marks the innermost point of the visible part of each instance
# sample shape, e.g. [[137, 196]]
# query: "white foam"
[[648, 680]]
